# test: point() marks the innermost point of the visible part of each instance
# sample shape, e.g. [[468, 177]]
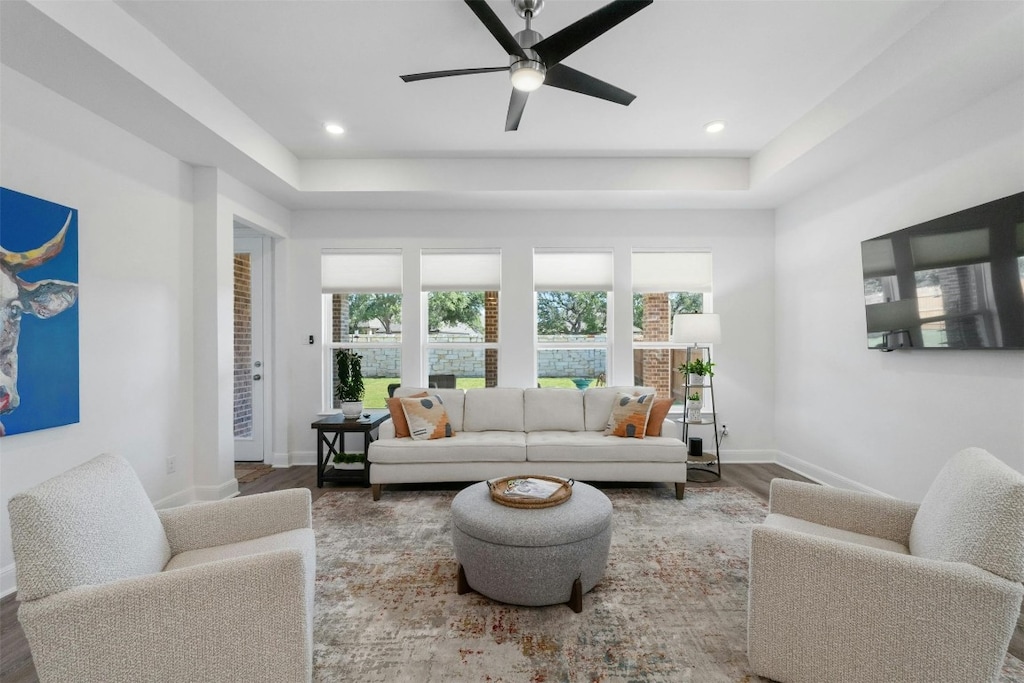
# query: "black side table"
[[330, 432]]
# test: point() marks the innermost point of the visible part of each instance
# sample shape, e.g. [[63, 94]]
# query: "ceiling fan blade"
[[489, 19], [409, 78], [567, 78], [560, 45], [516, 105]]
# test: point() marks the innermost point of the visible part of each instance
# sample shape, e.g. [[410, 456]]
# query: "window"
[[665, 283], [461, 291], [573, 310], [362, 310]]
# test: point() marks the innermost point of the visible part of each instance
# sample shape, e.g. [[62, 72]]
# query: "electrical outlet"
[[725, 429], [172, 464]]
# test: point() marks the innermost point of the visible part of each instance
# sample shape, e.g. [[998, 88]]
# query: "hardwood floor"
[[16, 660]]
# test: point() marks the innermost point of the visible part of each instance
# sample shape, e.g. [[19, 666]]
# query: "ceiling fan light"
[[714, 126], [527, 76]]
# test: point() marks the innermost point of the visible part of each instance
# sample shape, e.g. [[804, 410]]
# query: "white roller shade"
[[462, 271], [671, 271], [950, 249], [560, 271], [361, 271], [877, 258]]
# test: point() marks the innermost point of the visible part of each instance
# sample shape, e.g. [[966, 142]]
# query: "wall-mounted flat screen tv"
[[955, 282]]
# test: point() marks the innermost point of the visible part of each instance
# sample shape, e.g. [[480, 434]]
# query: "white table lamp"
[[696, 328]]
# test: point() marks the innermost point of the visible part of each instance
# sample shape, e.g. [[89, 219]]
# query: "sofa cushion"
[[453, 399], [597, 404], [629, 416], [551, 408], [973, 513], [495, 408], [427, 418], [596, 447], [464, 447], [659, 411]]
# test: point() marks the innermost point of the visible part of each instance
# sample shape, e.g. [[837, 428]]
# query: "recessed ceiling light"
[[714, 126], [333, 128]]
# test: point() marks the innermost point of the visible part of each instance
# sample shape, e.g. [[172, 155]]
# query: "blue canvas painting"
[[39, 290]]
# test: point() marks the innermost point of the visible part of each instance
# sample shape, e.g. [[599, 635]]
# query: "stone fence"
[[385, 361]]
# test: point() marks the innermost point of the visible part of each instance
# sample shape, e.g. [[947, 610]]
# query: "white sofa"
[[509, 431]]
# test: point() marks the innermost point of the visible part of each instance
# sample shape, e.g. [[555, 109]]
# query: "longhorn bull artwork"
[[32, 239]]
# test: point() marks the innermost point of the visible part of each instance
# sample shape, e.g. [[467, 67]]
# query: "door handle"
[[257, 378]]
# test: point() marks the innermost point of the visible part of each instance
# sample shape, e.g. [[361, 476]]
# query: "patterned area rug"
[[671, 606]]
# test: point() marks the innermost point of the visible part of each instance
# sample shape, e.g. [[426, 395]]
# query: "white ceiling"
[[805, 87]]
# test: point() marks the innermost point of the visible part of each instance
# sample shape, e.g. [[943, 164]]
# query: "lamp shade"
[[696, 328]]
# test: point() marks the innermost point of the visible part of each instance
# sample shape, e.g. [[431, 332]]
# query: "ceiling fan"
[[535, 60]]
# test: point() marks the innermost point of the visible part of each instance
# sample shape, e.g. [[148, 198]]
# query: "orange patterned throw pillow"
[[427, 418], [398, 415], [659, 411], [629, 415]]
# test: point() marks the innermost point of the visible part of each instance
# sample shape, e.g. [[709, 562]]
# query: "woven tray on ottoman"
[[531, 557]]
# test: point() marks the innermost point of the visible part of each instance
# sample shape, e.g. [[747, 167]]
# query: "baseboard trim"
[[824, 476], [228, 489], [302, 458], [183, 497], [754, 456], [280, 460], [8, 581]]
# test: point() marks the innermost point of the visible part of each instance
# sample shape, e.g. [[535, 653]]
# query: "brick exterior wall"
[[243, 347], [655, 365], [339, 316], [490, 335]]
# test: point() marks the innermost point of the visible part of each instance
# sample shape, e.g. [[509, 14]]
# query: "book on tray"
[[530, 488]]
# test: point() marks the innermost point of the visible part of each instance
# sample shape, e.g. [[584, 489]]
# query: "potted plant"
[[349, 390], [349, 461], [693, 406], [697, 369]]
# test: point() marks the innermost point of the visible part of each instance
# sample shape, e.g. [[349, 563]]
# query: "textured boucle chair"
[[113, 590], [850, 587], [532, 557]]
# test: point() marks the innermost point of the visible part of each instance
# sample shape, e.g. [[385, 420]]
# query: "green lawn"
[[377, 387]]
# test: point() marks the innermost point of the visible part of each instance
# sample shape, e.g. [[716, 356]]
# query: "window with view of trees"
[[665, 283], [462, 316], [458, 313], [362, 293], [572, 317]]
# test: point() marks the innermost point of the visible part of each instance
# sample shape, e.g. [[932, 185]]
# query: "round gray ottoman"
[[532, 557]]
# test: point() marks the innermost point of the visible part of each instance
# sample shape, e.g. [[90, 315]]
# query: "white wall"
[[741, 242], [135, 246], [889, 421], [138, 270]]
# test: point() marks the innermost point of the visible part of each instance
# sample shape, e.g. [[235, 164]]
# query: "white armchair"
[[112, 590], [851, 587]]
